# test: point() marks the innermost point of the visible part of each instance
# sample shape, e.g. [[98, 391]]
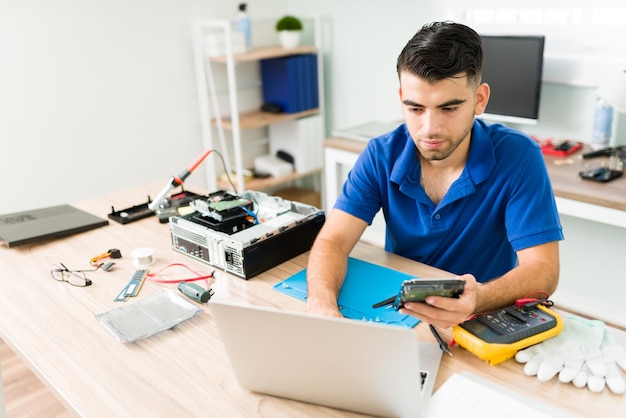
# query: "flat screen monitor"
[[513, 68]]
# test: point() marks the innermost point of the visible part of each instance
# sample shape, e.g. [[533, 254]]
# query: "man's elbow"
[[552, 280]]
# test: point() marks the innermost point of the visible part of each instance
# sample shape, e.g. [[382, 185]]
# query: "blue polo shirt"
[[502, 202]]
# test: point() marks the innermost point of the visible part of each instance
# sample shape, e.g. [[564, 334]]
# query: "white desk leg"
[[3, 407], [333, 160], [334, 178]]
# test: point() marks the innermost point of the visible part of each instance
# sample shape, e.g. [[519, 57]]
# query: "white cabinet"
[[230, 89]]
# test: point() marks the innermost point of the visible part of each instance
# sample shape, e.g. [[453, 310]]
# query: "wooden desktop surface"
[[183, 371], [568, 184]]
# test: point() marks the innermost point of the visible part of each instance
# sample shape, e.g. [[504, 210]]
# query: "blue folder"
[[365, 284], [291, 82]]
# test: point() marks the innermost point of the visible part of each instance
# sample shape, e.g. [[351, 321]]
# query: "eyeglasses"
[[73, 277]]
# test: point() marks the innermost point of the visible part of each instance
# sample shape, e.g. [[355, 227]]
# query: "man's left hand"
[[443, 311]]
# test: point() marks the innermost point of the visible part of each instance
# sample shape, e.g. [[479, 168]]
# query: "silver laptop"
[[365, 367], [38, 224]]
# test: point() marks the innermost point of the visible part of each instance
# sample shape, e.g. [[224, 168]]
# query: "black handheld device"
[[416, 290], [601, 174]]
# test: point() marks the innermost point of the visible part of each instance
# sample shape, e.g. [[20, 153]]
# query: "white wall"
[[362, 84], [99, 95], [96, 96], [363, 43]]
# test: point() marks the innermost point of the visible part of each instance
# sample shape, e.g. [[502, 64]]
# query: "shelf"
[[267, 183], [266, 52], [297, 194], [308, 124], [259, 119]]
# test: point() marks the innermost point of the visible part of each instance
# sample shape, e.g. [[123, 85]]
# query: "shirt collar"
[[481, 159]]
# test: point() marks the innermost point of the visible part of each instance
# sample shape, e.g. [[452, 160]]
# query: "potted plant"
[[289, 29]]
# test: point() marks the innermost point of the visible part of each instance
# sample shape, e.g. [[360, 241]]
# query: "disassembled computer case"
[[245, 234]]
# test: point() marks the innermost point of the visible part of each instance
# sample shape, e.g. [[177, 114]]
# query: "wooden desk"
[[568, 184], [184, 371], [599, 202]]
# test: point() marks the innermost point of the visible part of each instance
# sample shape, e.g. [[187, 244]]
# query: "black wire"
[[230, 181]]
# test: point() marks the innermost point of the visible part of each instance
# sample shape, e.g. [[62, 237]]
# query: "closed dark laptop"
[[38, 224]]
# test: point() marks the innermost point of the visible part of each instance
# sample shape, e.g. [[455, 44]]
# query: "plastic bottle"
[[602, 125], [243, 24]]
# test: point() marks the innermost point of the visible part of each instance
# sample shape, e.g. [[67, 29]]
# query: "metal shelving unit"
[[211, 116]]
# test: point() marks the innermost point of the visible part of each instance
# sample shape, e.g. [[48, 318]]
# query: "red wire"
[[545, 294], [152, 275]]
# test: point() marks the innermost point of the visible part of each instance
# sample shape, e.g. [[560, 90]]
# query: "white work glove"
[[603, 369], [584, 353]]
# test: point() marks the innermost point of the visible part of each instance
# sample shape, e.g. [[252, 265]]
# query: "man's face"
[[440, 115]]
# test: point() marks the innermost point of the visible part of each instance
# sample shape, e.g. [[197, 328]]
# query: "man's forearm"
[[326, 271], [535, 279], [537, 275], [328, 261]]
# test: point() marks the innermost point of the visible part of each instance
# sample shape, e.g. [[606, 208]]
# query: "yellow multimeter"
[[496, 336]]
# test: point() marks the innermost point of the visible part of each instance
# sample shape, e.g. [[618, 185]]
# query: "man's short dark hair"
[[442, 50]]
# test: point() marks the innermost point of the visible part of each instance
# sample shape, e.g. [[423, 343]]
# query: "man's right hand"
[[328, 261]]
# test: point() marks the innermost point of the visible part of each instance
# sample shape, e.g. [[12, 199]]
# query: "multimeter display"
[[509, 325], [498, 335]]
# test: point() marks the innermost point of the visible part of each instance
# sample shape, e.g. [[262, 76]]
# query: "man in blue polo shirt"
[[470, 198]]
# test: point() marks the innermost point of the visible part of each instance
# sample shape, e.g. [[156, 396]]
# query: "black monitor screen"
[[513, 66]]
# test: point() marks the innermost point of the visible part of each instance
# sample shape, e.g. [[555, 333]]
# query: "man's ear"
[[482, 98]]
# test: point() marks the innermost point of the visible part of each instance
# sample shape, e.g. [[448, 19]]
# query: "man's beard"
[[443, 153]]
